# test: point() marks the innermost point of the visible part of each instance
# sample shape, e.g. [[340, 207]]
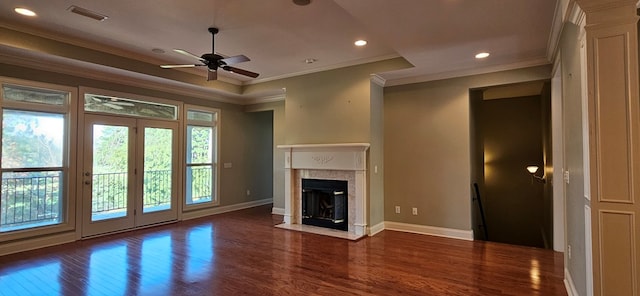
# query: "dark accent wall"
[[511, 132]]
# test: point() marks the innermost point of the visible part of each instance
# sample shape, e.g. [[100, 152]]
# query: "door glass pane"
[[157, 169], [110, 177]]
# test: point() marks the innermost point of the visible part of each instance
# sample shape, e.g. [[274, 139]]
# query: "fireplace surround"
[[340, 162]]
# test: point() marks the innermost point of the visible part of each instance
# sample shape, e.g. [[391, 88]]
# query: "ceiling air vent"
[[87, 13]]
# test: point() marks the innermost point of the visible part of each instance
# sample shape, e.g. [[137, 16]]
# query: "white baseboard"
[[375, 229], [36, 243], [225, 209], [277, 211], [568, 284], [430, 230]]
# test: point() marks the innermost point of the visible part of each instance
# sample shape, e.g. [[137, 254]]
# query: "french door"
[[129, 173]]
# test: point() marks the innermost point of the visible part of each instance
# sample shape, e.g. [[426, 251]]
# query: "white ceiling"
[[438, 37]]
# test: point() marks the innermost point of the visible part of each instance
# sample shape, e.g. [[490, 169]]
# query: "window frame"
[[215, 126], [68, 169]]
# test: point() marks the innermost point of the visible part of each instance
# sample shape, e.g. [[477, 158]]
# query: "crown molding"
[[575, 14], [556, 29], [326, 68], [467, 72], [375, 78], [266, 99]]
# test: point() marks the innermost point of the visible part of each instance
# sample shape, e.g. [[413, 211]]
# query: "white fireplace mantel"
[[337, 161]]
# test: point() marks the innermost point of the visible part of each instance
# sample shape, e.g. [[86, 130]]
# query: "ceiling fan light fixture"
[[24, 11]]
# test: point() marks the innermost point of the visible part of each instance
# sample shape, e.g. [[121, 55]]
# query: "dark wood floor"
[[241, 253]]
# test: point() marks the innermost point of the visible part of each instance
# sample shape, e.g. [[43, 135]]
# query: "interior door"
[[130, 173]]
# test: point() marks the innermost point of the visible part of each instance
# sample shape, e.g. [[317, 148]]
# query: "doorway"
[[129, 173], [512, 156]]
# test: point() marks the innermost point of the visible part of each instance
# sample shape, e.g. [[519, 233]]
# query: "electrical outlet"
[[397, 209], [248, 192], [566, 177], [569, 251], [414, 211]]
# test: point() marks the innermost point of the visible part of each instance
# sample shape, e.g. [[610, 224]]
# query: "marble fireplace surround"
[[342, 161]]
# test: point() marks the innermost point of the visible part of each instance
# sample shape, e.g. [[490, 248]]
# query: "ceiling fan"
[[213, 61]]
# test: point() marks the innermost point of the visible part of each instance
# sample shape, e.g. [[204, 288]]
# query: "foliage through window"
[[201, 156], [33, 157]]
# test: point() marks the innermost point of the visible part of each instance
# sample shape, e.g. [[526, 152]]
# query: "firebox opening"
[[324, 203]]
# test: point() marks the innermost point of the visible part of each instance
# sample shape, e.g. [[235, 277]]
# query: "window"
[[128, 107], [201, 156], [34, 157]]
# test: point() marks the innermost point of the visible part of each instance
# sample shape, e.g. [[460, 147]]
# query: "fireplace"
[[324, 203], [344, 163]]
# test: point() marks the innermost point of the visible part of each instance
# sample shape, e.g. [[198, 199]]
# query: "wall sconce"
[[532, 170]]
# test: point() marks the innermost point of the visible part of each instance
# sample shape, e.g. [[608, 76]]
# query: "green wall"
[[278, 124], [427, 153], [331, 106], [573, 155]]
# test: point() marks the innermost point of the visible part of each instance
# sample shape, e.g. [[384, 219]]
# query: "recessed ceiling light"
[[158, 50], [360, 42], [24, 11], [310, 60], [482, 55]]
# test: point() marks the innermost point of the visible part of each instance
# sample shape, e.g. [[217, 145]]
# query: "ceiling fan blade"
[[184, 52], [235, 59], [240, 71], [212, 75], [179, 66]]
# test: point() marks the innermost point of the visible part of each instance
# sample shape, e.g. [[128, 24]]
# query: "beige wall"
[[331, 106], [337, 106], [573, 155], [427, 147], [376, 157]]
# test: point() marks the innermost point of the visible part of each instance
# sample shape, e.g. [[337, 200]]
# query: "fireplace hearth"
[[324, 203]]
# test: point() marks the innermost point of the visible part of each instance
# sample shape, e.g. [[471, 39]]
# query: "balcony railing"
[[32, 199]]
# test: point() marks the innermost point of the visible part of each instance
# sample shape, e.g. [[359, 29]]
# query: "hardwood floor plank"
[[241, 253]]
